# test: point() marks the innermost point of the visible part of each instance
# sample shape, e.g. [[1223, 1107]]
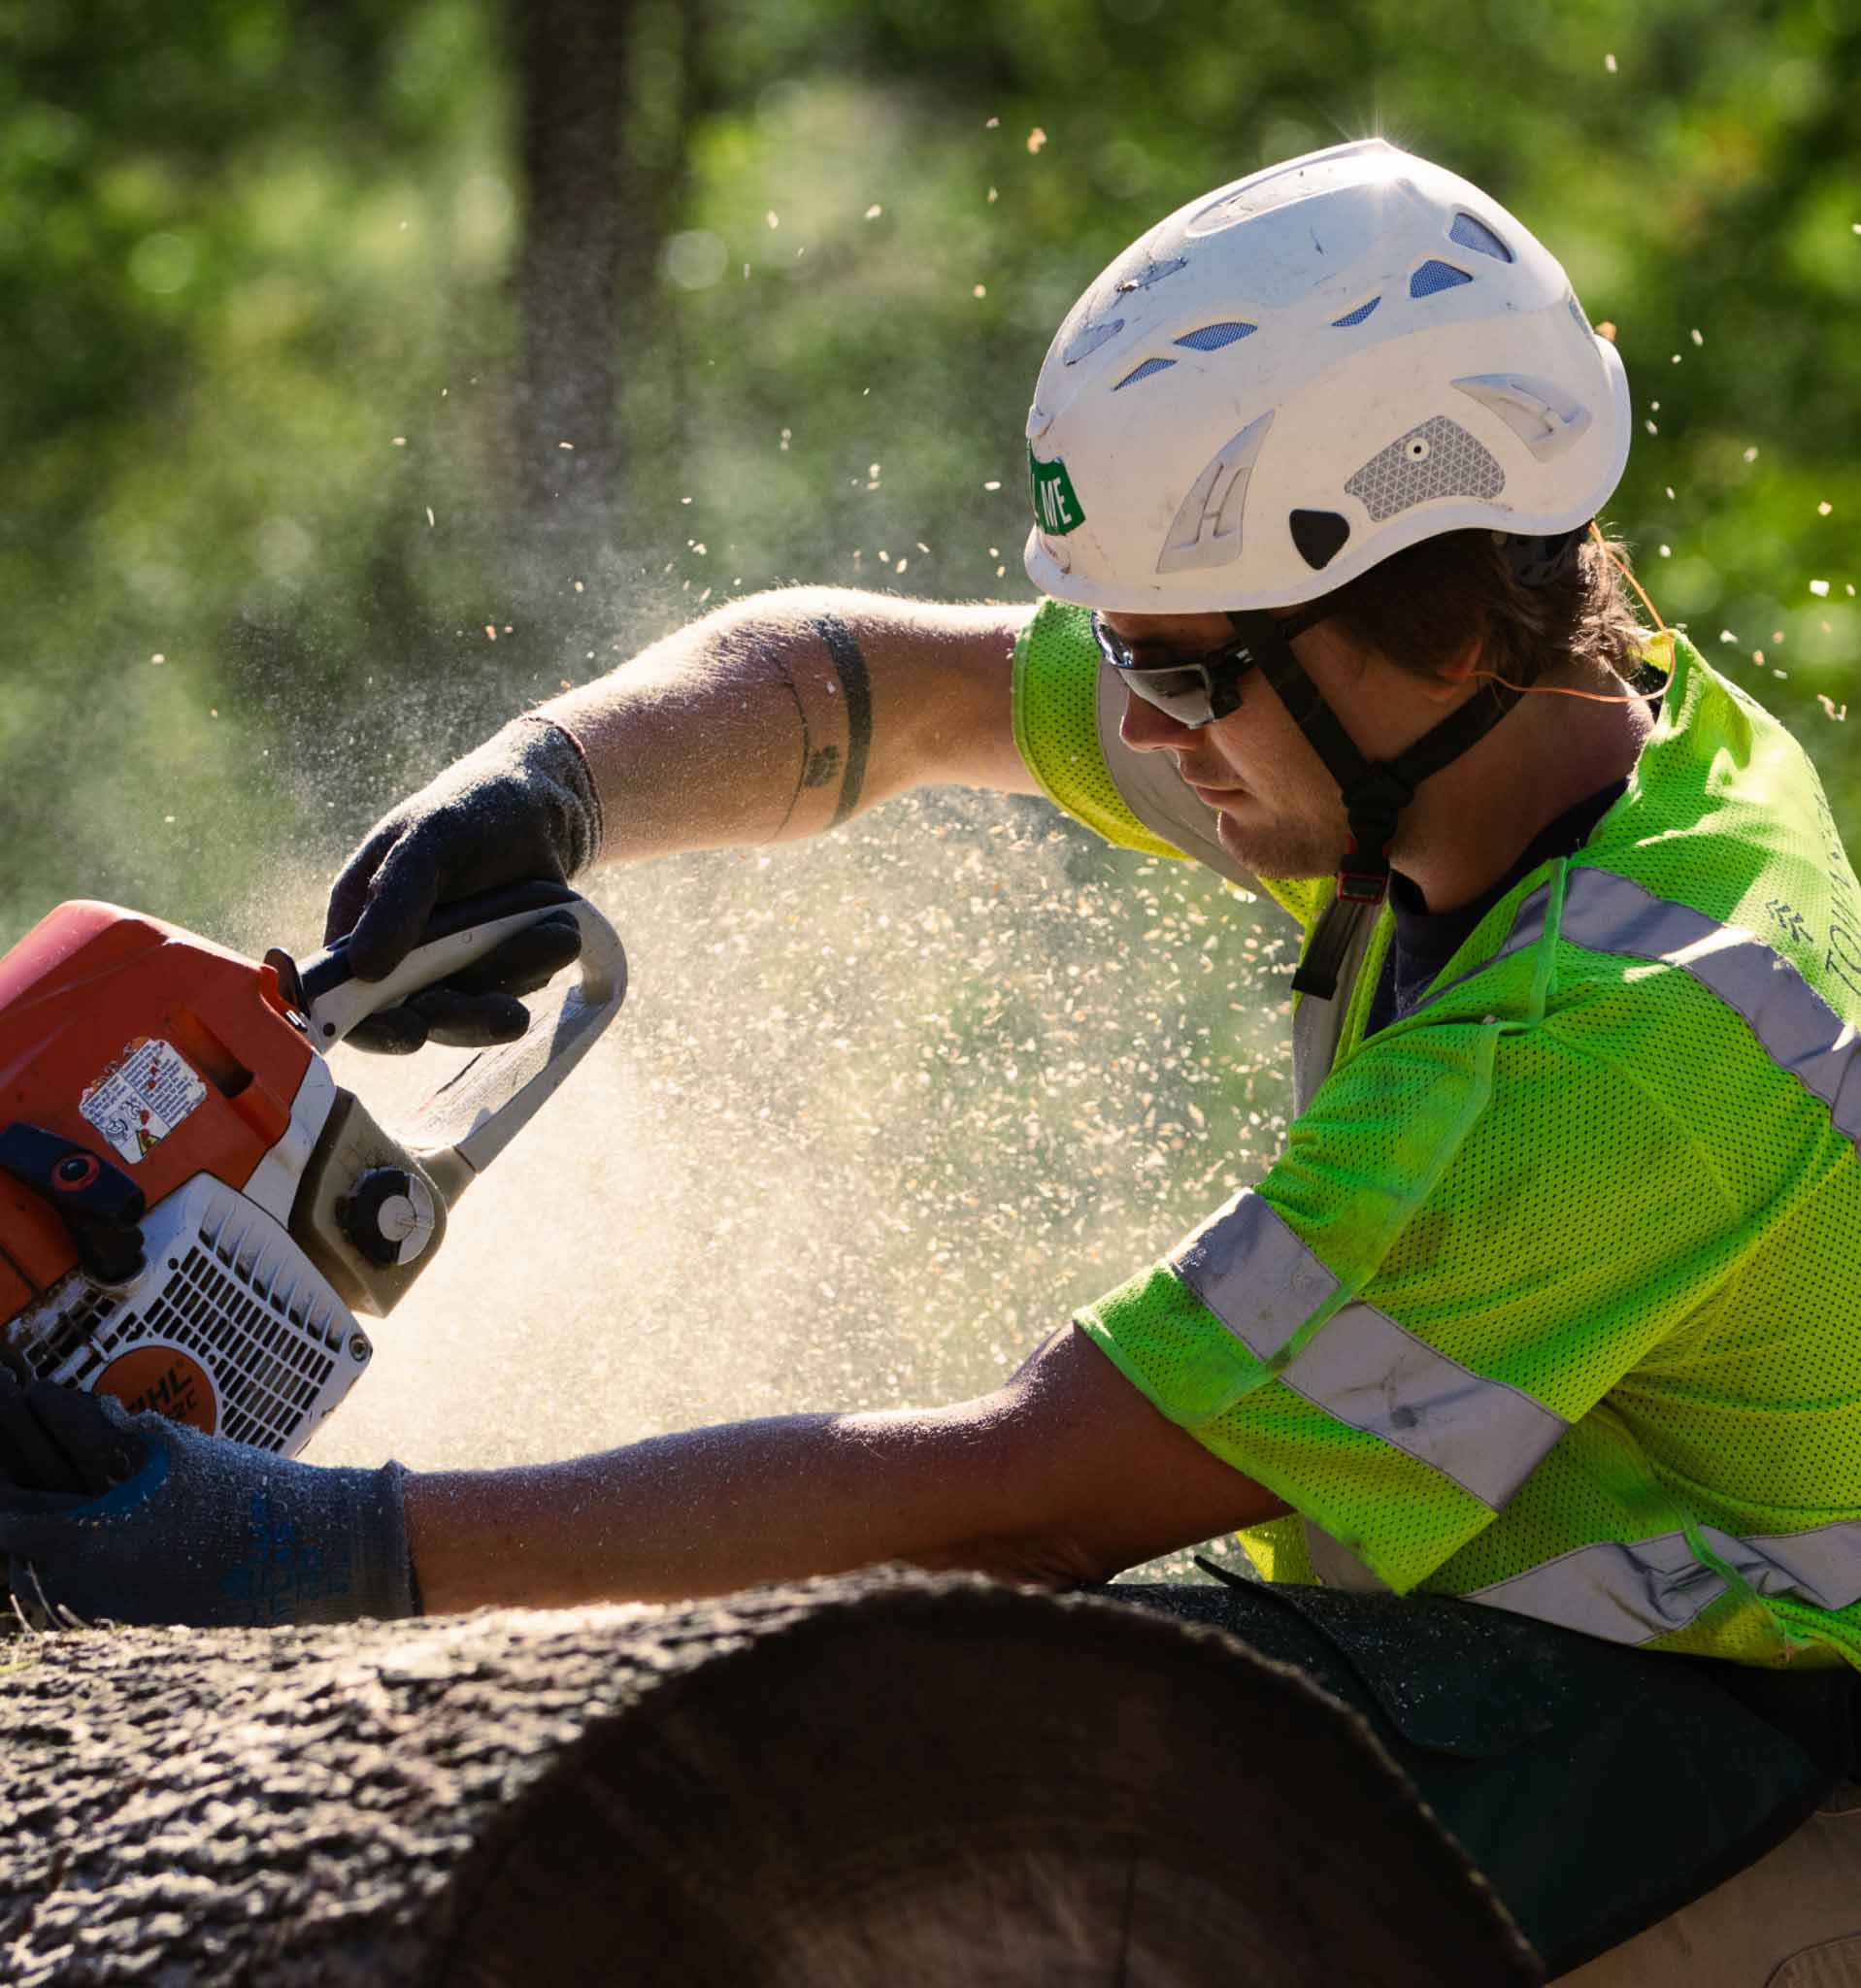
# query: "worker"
[[1529, 1372]]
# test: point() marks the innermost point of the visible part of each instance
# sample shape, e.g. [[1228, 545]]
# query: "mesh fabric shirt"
[[1553, 1298]]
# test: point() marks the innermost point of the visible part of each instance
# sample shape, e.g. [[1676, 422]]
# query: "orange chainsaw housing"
[[79, 994]]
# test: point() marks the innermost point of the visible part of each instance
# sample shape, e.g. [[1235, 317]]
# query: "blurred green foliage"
[[258, 328]]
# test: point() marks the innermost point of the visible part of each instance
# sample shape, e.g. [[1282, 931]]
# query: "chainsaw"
[[192, 1211]]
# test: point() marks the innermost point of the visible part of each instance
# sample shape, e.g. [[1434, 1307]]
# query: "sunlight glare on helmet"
[[1386, 169]]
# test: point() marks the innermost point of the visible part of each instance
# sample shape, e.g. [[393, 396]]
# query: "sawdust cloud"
[[878, 1111]]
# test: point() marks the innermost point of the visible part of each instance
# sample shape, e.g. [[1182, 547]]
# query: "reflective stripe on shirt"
[[1796, 1028], [1371, 1374], [1634, 1593], [1248, 1267], [1363, 1368]]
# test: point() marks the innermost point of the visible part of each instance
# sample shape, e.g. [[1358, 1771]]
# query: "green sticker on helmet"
[[1057, 505]]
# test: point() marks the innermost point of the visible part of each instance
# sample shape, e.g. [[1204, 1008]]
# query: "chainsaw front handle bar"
[[475, 1115]]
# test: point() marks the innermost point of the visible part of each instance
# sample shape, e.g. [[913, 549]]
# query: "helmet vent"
[[1438, 459], [1479, 237], [1143, 372], [1355, 317], [1547, 418], [1089, 338], [1213, 337], [1435, 276], [1207, 528], [1319, 536]]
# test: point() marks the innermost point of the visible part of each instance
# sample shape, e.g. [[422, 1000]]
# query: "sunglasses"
[[1197, 689]]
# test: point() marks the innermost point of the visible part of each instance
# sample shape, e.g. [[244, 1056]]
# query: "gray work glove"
[[522, 805], [107, 1519]]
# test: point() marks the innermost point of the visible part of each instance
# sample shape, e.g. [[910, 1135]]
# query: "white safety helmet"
[[1305, 372]]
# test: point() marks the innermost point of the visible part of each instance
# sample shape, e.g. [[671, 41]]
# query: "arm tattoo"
[[807, 754], [850, 668]]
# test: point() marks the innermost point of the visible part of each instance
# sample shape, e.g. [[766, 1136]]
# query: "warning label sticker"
[[142, 1097]]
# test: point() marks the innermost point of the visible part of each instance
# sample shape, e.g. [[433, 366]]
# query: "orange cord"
[[1622, 566]]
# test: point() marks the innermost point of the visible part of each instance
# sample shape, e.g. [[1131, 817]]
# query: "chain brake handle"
[[472, 1117]]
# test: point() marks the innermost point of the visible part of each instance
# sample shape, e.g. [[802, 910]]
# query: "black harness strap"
[[1374, 794]]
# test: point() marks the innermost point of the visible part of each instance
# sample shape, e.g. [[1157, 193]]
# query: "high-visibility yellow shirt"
[[1553, 1299]]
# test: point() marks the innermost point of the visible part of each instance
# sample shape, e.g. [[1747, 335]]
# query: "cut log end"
[[880, 1781]]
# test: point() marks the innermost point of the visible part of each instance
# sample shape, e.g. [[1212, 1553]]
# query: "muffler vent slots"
[[224, 1303], [74, 1331], [233, 1299]]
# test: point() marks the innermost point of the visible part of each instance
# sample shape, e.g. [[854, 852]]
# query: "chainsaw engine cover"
[[183, 1066], [229, 1328]]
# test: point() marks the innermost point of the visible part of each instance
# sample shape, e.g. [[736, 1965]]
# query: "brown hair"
[[1421, 608]]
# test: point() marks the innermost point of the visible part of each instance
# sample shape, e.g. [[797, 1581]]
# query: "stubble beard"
[[1286, 849]]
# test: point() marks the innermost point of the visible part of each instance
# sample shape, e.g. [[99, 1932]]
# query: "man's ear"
[[1455, 675]]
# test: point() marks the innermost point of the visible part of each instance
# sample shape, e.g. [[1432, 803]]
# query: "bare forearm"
[[707, 1511], [1065, 1474], [784, 715]]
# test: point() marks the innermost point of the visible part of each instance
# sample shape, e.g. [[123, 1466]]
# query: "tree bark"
[[885, 1779]]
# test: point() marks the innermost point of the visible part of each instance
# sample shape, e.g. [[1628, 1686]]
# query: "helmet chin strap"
[[1375, 793]]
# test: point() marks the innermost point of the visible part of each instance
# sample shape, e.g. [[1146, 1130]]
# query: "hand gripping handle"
[[472, 1117]]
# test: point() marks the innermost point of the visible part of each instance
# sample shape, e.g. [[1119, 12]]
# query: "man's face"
[[1278, 810]]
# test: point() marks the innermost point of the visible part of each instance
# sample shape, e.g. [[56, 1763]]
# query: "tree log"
[[888, 1779]]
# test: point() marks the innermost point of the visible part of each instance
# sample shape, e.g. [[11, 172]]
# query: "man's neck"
[[1475, 818]]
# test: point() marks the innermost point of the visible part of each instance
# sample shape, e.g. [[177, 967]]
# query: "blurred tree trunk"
[[610, 91], [577, 228]]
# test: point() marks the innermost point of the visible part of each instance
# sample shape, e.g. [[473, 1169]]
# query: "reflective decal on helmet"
[[1437, 459], [1057, 509]]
